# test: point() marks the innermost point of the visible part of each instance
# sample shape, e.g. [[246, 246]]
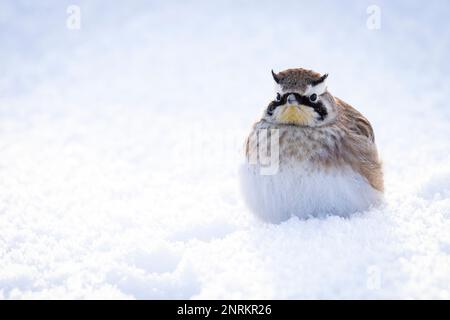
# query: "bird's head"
[[301, 99]]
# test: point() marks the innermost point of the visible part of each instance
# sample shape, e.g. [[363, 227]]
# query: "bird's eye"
[[313, 97], [278, 96]]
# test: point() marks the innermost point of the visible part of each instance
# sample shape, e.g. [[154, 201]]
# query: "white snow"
[[121, 142]]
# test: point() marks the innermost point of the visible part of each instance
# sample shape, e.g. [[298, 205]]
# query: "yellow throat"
[[293, 114]]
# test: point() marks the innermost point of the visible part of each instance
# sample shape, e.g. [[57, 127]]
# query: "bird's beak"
[[291, 99]]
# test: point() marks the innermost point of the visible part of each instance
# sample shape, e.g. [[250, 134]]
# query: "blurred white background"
[[120, 143]]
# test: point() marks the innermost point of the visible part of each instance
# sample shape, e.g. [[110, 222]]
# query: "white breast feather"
[[306, 191]]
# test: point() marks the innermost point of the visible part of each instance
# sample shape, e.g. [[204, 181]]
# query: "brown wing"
[[355, 121], [360, 150]]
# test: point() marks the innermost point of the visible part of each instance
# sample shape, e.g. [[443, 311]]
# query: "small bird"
[[325, 160]]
